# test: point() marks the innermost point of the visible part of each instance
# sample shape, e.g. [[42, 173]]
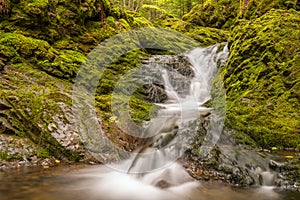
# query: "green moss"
[[5, 155], [216, 14], [110, 20], [223, 13], [108, 81], [65, 65], [36, 100], [256, 8], [19, 48], [208, 36], [124, 24], [24, 46], [36, 6], [140, 110], [204, 35], [262, 78], [16, 48], [243, 139], [42, 153]]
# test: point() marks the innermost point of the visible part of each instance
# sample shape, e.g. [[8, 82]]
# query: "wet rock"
[[180, 64], [16, 149], [41, 116], [276, 166], [155, 93], [163, 184]]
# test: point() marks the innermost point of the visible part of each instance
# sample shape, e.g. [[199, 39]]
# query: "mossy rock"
[[204, 35], [262, 79], [58, 18], [110, 78], [18, 48], [208, 36], [223, 14], [39, 107], [65, 65], [255, 8], [72, 25], [42, 45], [216, 14]]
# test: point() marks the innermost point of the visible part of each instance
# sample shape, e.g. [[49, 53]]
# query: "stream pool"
[[76, 182]]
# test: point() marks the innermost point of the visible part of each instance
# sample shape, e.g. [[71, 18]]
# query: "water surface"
[[76, 182]]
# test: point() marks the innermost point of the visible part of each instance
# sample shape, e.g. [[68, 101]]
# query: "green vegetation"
[[43, 44], [262, 78]]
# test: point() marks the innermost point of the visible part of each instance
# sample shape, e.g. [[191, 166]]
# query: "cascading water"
[[168, 133], [164, 139], [152, 172]]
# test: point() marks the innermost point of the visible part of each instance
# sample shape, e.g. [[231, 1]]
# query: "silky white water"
[[154, 173], [184, 105]]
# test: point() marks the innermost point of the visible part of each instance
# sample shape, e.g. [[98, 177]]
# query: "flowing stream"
[[152, 172], [78, 182], [168, 133]]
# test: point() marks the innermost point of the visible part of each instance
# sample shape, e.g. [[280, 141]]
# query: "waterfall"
[[168, 133], [152, 170]]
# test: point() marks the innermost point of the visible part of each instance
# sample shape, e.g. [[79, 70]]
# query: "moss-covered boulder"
[[56, 17], [204, 35], [262, 78], [38, 107], [211, 13], [17, 48], [222, 14], [42, 46], [75, 25]]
